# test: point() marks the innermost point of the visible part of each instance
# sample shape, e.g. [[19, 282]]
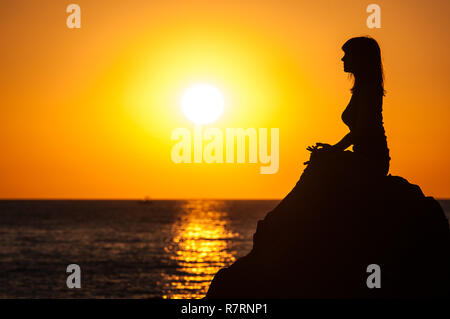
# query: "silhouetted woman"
[[363, 116]]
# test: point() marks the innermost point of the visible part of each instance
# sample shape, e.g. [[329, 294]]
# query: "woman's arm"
[[344, 143]]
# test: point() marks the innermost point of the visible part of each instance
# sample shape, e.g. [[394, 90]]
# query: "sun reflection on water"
[[199, 248]]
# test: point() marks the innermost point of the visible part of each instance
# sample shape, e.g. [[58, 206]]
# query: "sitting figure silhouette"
[[363, 114], [345, 215]]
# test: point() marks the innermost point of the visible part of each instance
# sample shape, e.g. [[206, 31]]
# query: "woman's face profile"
[[347, 62]]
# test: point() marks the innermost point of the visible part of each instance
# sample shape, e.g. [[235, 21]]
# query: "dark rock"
[[338, 219]]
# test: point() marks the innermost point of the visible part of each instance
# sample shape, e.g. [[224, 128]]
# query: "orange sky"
[[88, 113]]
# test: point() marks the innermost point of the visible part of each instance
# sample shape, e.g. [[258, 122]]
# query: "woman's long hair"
[[366, 61]]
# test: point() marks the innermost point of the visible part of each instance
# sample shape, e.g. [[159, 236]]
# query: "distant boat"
[[146, 201]]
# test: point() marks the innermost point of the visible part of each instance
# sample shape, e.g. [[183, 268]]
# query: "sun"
[[202, 103]]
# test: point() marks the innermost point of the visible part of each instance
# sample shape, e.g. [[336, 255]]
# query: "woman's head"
[[362, 58]]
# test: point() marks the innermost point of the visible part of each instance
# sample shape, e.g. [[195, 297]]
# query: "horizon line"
[[131, 199], [148, 199]]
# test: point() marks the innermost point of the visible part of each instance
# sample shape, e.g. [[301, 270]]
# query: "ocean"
[[125, 249]]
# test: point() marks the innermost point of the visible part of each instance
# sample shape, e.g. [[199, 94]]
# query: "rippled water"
[[165, 249]]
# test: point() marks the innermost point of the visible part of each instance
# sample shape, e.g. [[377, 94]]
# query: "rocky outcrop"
[[338, 219]]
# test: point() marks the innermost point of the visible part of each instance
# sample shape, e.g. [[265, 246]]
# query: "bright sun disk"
[[202, 103]]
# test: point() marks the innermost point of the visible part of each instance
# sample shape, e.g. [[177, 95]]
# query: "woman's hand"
[[319, 146], [324, 146]]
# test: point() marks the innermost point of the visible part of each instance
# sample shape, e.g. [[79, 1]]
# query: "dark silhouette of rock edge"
[[337, 220]]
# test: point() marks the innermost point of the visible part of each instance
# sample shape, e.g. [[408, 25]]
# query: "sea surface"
[[125, 249]]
